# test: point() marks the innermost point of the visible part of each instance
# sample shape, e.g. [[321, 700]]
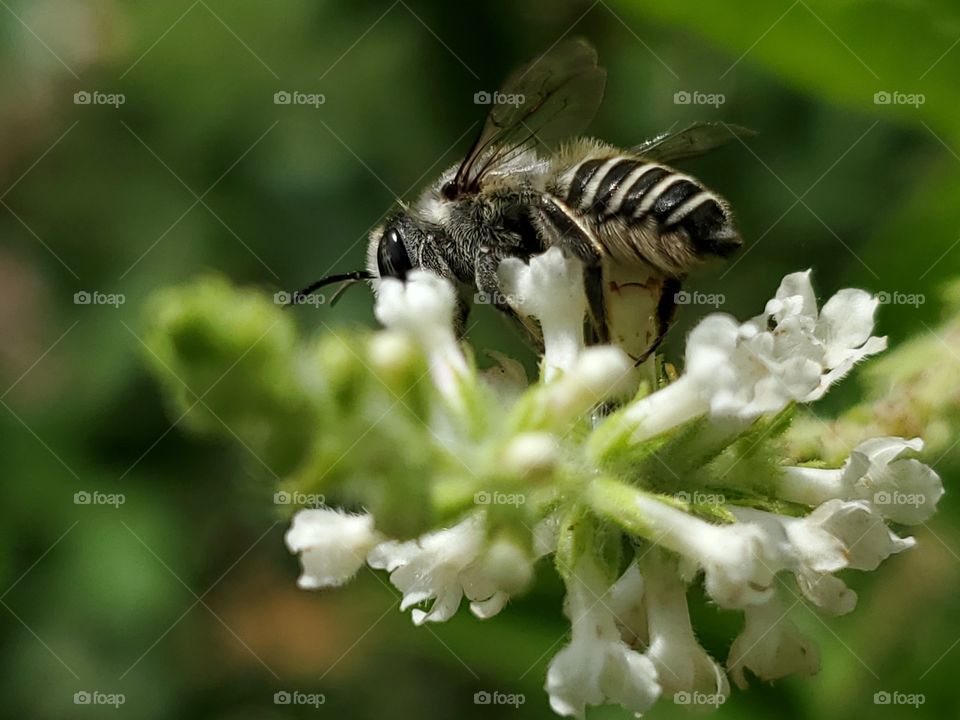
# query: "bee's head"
[[405, 243], [395, 248]]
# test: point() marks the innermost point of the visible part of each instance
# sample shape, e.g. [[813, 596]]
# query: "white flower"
[[530, 453], [760, 372], [502, 570], [332, 545], [737, 561], [597, 666], [444, 566], [391, 352], [901, 488], [507, 378], [682, 663], [549, 289], [423, 306], [790, 353], [836, 535], [598, 374], [810, 552], [771, 646], [837, 338]]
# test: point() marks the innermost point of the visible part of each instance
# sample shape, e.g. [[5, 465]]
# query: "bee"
[[637, 225]]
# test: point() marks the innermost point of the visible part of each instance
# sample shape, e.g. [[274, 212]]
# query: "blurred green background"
[[183, 597]]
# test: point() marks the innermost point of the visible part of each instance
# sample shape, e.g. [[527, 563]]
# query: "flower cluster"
[[456, 481]]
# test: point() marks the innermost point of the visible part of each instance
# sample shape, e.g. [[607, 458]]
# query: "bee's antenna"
[[347, 279]]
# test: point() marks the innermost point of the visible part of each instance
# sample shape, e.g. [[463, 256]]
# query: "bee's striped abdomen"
[[594, 183], [637, 191], [582, 176]]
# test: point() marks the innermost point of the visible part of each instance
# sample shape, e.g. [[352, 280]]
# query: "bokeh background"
[[183, 597]]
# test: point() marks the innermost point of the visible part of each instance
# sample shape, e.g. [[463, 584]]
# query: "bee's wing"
[[548, 99], [694, 140]]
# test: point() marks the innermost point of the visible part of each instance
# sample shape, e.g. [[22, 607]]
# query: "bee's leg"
[[570, 235], [431, 259], [489, 292], [594, 287], [486, 263], [666, 307]]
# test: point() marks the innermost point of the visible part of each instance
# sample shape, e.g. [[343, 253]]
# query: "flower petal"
[[902, 489], [446, 565], [771, 646], [332, 545], [846, 322], [865, 536], [797, 287]]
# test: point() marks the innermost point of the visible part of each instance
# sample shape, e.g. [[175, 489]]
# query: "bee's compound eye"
[[449, 190], [392, 258]]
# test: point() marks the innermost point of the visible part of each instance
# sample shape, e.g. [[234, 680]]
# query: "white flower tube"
[[332, 545], [444, 566], [550, 289], [597, 666], [737, 560], [771, 646], [683, 666], [790, 353], [422, 306], [881, 471], [599, 373]]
